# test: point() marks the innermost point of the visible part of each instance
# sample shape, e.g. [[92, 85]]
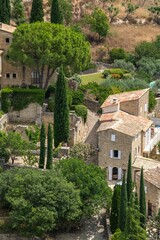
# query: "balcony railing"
[[153, 141]]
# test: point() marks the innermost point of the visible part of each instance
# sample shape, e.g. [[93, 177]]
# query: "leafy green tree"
[[39, 201], [142, 201], [129, 179], [18, 13], [37, 11], [49, 148], [12, 145], [61, 111], [123, 206], [98, 22], [56, 14], [49, 49], [91, 181], [5, 11], [81, 151], [115, 208], [42, 147]]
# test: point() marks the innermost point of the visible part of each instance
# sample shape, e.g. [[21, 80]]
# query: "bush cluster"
[[81, 111]]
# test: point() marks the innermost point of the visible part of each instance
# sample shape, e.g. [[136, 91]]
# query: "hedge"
[[19, 98]]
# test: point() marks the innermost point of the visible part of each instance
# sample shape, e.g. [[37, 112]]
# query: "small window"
[[113, 137], [7, 75], [7, 40], [115, 153], [14, 75]]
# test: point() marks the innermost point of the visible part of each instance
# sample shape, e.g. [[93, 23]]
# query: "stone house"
[[14, 75], [152, 189], [124, 129]]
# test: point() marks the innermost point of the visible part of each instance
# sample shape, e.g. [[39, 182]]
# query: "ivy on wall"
[[16, 99]]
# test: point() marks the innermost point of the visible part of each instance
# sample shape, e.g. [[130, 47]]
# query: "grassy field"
[[93, 77]]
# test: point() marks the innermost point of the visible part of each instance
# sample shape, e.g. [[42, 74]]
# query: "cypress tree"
[[142, 201], [37, 13], [129, 179], [115, 208], [56, 14], [42, 147], [49, 148], [5, 11], [61, 111], [123, 206]]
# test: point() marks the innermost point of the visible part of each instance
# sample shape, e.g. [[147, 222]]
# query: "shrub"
[[76, 78], [51, 104], [106, 73], [81, 111], [77, 97], [116, 76], [117, 53], [123, 64], [5, 99], [114, 71]]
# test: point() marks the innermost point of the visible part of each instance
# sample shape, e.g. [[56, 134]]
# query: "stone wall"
[[136, 107], [152, 194], [122, 143], [92, 105], [31, 114]]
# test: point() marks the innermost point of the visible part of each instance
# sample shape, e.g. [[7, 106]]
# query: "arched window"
[[115, 173]]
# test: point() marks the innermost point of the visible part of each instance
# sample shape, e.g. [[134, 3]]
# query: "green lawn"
[[93, 77]]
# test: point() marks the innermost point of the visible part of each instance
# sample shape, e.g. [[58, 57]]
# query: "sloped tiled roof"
[[124, 97], [146, 163], [123, 122], [7, 28], [152, 176]]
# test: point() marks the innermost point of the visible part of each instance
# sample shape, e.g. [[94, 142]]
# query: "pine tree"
[[115, 208], [56, 14], [123, 205], [142, 201], [129, 179], [42, 147], [5, 11], [37, 13], [18, 11], [61, 111], [49, 148]]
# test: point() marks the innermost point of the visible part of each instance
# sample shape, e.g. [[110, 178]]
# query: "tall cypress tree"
[[49, 148], [123, 205], [115, 208], [142, 201], [37, 13], [129, 179], [42, 147], [61, 111], [5, 11], [56, 14]]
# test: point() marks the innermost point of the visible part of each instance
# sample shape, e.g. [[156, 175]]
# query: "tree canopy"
[[91, 181], [45, 46], [39, 201]]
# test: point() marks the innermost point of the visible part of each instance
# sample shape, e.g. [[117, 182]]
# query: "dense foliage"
[[39, 201], [5, 11], [81, 111], [115, 208], [56, 14], [142, 201], [19, 98]]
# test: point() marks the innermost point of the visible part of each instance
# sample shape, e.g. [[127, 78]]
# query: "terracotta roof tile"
[[123, 97], [123, 122]]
